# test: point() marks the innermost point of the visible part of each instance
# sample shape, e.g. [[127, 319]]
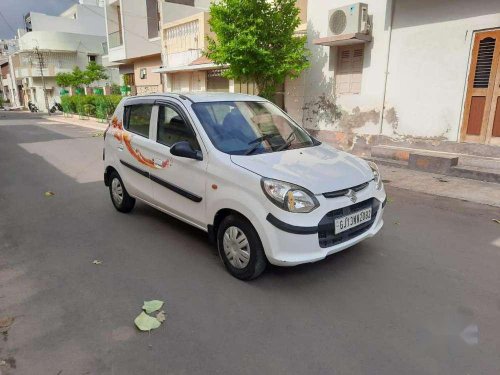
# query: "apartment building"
[[133, 38], [49, 45], [185, 68], [402, 73]]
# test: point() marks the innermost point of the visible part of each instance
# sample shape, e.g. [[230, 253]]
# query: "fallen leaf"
[[6, 322], [151, 306], [145, 322], [389, 200], [396, 223], [49, 194], [97, 262], [496, 221], [98, 134], [161, 316]]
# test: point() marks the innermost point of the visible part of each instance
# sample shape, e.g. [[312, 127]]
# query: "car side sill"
[[290, 228]]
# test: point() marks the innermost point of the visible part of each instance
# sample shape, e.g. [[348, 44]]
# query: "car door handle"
[[158, 163]]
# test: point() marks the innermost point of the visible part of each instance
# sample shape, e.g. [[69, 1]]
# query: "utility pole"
[[41, 65]]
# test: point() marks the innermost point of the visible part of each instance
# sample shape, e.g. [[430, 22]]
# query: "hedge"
[[100, 106]]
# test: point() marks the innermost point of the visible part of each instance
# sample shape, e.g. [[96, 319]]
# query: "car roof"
[[201, 97]]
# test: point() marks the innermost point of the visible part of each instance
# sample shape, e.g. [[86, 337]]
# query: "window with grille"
[[349, 69]]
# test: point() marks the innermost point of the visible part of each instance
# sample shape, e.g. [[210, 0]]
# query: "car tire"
[[242, 261], [119, 195]]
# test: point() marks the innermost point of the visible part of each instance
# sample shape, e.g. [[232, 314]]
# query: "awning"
[[187, 68], [343, 40]]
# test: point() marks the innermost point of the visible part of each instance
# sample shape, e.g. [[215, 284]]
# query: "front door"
[[178, 183], [481, 122]]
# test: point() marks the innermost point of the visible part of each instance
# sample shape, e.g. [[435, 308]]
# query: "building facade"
[[424, 72], [134, 38], [49, 45]]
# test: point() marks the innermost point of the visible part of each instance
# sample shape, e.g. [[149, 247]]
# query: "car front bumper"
[[288, 244]]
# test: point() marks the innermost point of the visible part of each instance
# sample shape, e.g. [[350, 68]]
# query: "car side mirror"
[[184, 150]]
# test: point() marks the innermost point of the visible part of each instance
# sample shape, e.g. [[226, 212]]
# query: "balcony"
[[115, 39]]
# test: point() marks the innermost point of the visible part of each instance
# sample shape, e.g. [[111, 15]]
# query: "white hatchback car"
[[239, 168]]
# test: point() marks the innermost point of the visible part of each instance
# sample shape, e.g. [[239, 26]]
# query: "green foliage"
[[93, 73], [1, 101], [77, 77], [64, 79], [256, 39], [101, 106], [115, 89]]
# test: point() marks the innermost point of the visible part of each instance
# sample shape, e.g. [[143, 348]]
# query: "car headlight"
[[376, 175], [289, 197]]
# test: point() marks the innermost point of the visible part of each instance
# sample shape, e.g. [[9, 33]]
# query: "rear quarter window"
[[137, 119]]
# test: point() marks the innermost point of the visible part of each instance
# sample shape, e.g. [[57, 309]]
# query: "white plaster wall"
[[429, 62], [89, 20], [319, 79], [61, 41], [134, 21]]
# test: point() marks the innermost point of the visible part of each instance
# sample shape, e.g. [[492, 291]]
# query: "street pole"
[[41, 64]]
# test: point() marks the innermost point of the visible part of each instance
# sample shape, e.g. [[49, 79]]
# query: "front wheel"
[[240, 248], [119, 196]]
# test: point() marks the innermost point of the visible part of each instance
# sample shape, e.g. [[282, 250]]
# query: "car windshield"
[[245, 128]]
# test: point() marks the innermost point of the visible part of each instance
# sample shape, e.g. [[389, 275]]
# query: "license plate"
[[350, 221]]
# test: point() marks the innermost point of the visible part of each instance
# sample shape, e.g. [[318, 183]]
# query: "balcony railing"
[[115, 39]]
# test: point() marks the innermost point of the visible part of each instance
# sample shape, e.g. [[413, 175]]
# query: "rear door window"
[[137, 118]]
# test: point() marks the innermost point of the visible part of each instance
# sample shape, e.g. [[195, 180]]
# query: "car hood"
[[319, 169]]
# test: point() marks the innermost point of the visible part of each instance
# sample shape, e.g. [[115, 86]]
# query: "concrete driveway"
[[423, 297]]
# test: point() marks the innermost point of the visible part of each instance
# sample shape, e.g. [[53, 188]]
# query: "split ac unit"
[[349, 19]]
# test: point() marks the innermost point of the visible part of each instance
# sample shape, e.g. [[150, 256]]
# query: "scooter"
[[32, 106], [56, 107]]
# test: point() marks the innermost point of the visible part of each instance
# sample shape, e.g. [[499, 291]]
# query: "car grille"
[[326, 227], [340, 193]]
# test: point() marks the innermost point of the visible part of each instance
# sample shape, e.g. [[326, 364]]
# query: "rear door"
[[178, 183], [135, 148]]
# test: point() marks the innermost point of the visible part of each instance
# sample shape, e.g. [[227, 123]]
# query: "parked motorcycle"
[[56, 107], [32, 106]]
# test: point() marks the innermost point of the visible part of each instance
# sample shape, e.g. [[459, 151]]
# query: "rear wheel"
[[240, 248], [119, 196]]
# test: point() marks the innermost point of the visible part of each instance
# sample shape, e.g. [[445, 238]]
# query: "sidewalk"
[[435, 184]]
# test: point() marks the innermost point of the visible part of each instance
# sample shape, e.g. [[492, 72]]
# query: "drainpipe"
[[393, 2]]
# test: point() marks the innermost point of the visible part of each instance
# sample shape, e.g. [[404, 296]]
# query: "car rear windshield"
[[245, 128]]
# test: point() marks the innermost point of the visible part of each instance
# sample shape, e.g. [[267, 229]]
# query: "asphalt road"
[[422, 297]]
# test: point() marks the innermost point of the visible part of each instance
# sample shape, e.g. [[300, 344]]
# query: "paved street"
[[422, 297]]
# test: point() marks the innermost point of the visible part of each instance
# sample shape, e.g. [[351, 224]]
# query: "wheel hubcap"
[[117, 191], [236, 247]]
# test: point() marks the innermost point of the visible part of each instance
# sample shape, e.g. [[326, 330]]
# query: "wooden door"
[[481, 122]]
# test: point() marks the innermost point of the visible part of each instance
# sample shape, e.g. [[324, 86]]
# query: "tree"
[[256, 39], [77, 77], [64, 79], [94, 72]]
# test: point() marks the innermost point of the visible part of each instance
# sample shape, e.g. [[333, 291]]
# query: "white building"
[[73, 38], [426, 73]]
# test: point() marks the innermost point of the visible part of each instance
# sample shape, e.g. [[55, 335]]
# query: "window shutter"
[[484, 61], [349, 69]]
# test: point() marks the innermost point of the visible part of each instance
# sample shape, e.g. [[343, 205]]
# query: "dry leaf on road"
[[97, 262], [49, 194], [6, 322], [161, 316], [496, 221]]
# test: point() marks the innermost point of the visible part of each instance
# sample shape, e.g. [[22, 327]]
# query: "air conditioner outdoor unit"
[[349, 19]]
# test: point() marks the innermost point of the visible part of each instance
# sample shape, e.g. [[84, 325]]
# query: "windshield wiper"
[[257, 141], [288, 142]]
